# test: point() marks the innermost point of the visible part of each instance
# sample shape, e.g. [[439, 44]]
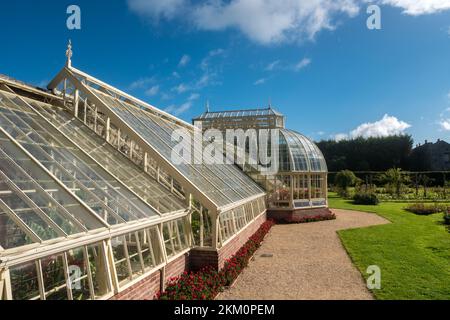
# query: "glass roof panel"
[[111, 159], [306, 156], [224, 184], [58, 154], [11, 236], [239, 113], [27, 176]]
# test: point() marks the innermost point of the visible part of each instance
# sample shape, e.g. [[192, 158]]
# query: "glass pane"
[[156, 245], [182, 233], [120, 259], [168, 240], [98, 270], [147, 248], [54, 279], [24, 282], [78, 274], [133, 254], [11, 236]]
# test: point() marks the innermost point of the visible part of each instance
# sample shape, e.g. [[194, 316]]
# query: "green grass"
[[413, 252]]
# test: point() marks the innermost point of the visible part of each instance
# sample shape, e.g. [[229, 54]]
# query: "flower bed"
[[426, 209], [208, 282], [308, 219]]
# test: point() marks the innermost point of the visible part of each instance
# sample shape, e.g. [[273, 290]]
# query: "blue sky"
[[316, 61]]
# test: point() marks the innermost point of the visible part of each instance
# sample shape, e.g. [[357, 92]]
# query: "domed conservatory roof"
[[299, 154]]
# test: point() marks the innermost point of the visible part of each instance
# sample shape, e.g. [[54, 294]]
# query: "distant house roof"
[[239, 113]]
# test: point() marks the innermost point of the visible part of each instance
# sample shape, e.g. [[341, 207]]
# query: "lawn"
[[413, 252]]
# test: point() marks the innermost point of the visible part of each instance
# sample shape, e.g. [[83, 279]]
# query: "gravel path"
[[309, 262]]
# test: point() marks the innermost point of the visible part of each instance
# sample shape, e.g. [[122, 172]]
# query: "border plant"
[[207, 283]]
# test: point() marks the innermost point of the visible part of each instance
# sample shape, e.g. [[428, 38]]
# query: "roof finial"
[[270, 103], [207, 105], [69, 54]]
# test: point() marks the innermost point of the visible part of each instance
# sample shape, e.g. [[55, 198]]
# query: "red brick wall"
[[237, 242], [147, 288], [201, 258], [143, 290], [177, 267]]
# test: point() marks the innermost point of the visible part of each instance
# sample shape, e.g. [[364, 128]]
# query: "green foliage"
[[426, 209], [447, 217], [208, 282], [344, 180], [395, 181], [372, 154], [366, 198]]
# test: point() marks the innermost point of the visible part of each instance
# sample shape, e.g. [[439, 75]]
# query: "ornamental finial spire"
[[207, 106], [69, 54]]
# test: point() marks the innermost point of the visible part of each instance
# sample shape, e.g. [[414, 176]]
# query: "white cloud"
[[181, 88], [271, 21], [165, 96], [206, 62], [302, 64], [260, 81], [387, 126], [156, 9], [152, 91], [193, 97], [444, 121], [204, 80], [177, 110], [445, 124], [263, 21], [419, 7], [273, 65], [185, 59], [140, 83], [341, 136]]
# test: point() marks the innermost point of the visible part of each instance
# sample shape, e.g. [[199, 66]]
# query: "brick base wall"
[[238, 241], [292, 216], [147, 288], [202, 258]]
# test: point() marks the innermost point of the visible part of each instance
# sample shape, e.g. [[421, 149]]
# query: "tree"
[[344, 180], [371, 154], [426, 180], [396, 178]]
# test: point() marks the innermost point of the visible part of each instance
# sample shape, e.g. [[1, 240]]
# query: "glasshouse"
[[92, 205], [298, 189]]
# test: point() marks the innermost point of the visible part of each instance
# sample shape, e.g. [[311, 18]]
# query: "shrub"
[[425, 209], [447, 217], [366, 198], [343, 181], [208, 282], [316, 218]]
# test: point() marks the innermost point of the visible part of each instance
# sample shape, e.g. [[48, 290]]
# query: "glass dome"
[[299, 154]]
